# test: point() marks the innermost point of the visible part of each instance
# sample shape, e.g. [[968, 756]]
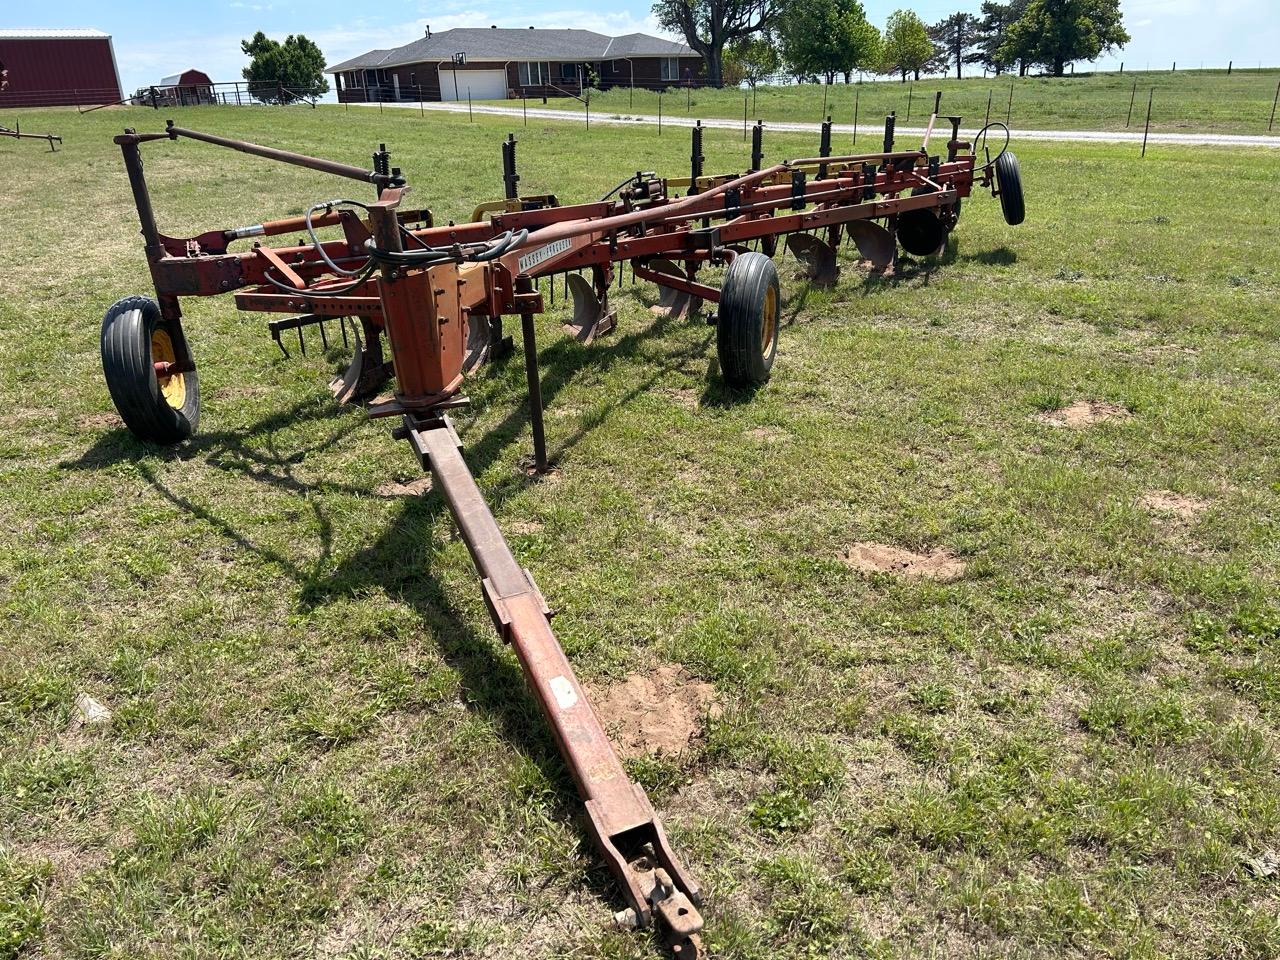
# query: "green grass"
[[1187, 101], [320, 749]]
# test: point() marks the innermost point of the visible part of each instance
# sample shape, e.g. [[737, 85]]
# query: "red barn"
[[47, 68]]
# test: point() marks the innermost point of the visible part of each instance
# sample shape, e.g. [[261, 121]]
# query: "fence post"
[[587, 101], [990, 94], [1008, 114], [422, 112], [857, 92], [237, 93], [1274, 101], [744, 118], [1148, 127], [659, 113], [470, 117], [1122, 66], [1132, 93], [280, 92], [688, 106], [1229, 62], [524, 104], [910, 91]]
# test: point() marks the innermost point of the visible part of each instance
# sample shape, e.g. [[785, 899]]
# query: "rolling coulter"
[[436, 297]]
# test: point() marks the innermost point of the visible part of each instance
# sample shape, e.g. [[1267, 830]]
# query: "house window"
[[533, 74], [670, 67], [568, 71], [413, 79]]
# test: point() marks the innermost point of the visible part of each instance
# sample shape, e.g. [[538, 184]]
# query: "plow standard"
[[437, 295]]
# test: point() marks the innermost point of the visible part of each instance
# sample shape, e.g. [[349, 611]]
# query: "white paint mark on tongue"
[[564, 692]]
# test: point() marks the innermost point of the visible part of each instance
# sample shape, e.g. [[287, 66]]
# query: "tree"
[[752, 59], [709, 26], [827, 37], [993, 28], [907, 47], [1057, 32], [297, 64], [957, 35]]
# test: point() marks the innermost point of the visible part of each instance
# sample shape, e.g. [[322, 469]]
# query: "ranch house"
[[497, 64]]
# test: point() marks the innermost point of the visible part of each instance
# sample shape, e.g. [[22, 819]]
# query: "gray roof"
[[643, 45], [480, 43]]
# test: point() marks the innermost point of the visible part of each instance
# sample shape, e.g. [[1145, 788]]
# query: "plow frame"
[[438, 295]]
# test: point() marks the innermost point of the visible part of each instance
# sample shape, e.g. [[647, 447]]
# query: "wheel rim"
[[172, 388], [770, 320]]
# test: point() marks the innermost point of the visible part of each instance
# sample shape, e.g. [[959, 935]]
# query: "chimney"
[[428, 31]]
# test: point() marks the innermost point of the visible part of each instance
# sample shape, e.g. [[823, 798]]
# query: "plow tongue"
[[874, 243], [592, 315], [817, 256], [367, 373], [671, 303]]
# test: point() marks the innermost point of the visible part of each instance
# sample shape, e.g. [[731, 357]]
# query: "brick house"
[[496, 64]]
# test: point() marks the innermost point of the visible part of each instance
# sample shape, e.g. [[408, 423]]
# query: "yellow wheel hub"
[[174, 388], [770, 320]]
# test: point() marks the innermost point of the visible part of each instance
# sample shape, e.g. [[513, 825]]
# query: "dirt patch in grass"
[[683, 397], [869, 557], [99, 421], [656, 712], [768, 434], [1178, 505], [410, 488], [1083, 413]]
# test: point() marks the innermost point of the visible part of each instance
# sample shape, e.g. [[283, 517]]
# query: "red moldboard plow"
[[437, 294]]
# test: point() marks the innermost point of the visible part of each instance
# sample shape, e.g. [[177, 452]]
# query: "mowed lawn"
[[1182, 101], [319, 749]]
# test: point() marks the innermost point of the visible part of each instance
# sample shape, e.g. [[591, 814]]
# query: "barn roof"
[[42, 33], [492, 43]]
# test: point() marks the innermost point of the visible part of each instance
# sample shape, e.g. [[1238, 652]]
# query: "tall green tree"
[[752, 60], [826, 37], [993, 30], [907, 47], [297, 64], [709, 26], [1054, 33], [956, 36]]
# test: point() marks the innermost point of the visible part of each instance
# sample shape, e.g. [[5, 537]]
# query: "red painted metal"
[[431, 289]]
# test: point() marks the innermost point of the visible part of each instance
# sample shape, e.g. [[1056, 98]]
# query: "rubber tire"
[[1009, 183], [740, 320], [131, 378]]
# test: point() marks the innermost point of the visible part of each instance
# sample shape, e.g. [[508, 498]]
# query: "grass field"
[[1187, 101], [319, 749]]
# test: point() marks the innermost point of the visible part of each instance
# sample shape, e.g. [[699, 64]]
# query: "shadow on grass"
[[398, 561]]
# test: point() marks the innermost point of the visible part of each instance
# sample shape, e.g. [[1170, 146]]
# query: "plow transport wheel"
[[747, 322], [1009, 185], [134, 338]]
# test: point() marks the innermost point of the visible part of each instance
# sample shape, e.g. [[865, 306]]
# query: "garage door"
[[484, 84]]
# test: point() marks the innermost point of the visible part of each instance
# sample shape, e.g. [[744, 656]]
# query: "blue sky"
[[154, 38]]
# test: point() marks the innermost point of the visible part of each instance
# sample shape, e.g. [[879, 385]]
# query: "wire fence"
[[1242, 101]]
